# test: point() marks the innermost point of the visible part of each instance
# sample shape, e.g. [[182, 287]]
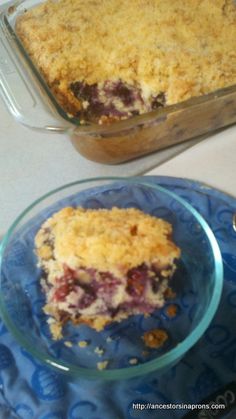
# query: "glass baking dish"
[[31, 102]]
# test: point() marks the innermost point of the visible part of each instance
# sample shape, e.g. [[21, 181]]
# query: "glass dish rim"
[[149, 117], [149, 366]]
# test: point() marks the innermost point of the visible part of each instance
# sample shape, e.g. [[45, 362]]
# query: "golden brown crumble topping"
[[179, 48], [113, 240]]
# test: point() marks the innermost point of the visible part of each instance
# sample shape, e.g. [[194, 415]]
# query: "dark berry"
[[137, 278], [155, 286], [61, 292], [84, 91], [123, 92], [159, 101], [87, 300]]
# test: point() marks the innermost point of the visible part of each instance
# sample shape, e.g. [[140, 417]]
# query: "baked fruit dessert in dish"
[[110, 60], [103, 265]]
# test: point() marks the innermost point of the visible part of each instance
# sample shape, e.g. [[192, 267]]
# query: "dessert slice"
[[103, 265]]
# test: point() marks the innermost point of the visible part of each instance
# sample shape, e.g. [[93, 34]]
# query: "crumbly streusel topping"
[[183, 48], [113, 240]]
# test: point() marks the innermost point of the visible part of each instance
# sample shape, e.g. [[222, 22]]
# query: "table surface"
[[33, 163], [212, 161]]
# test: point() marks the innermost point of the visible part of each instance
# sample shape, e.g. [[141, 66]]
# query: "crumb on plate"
[[102, 365], [56, 330], [68, 343], [83, 343], [133, 361], [171, 310], [155, 338], [99, 351]]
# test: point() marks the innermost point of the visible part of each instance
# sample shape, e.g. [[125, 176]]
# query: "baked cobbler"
[[103, 265], [112, 59]]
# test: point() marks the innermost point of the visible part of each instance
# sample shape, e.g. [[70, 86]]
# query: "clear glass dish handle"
[[22, 97]]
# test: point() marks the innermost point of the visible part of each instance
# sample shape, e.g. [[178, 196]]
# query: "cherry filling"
[[113, 100], [72, 281], [87, 299], [137, 279], [79, 289]]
